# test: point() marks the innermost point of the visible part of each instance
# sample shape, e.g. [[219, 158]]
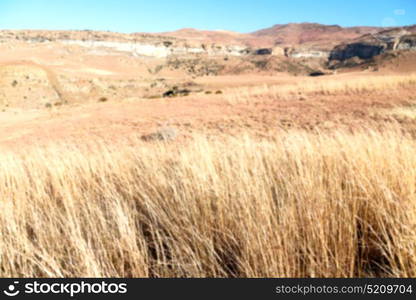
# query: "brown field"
[[276, 176], [259, 105]]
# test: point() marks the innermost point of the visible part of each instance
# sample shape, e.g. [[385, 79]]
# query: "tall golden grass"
[[326, 85], [296, 205]]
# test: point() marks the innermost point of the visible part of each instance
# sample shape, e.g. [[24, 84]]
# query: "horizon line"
[[199, 29]]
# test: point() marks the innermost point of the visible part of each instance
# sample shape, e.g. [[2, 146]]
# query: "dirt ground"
[[68, 93], [202, 113]]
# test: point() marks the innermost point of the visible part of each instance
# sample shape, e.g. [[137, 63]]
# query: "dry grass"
[[402, 111], [298, 205], [304, 86]]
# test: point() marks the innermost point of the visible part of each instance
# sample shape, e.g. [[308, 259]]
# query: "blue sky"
[[168, 15]]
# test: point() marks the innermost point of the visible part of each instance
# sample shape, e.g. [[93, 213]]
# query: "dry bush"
[[299, 205]]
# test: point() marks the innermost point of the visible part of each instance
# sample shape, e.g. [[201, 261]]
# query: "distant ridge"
[[292, 34]]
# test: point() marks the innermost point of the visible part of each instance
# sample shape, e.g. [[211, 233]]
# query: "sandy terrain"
[[228, 112], [55, 90]]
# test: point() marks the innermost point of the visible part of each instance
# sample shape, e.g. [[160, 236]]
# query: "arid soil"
[[227, 113], [68, 85]]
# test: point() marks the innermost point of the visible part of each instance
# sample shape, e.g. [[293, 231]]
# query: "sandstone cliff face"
[[307, 53], [360, 50], [369, 46], [313, 45], [407, 42], [161, 50], [134, 44]]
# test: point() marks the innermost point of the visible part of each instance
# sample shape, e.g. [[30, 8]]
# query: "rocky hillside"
[[297, 40], [293, 48], [304, 40], [135, 44], [41, 69], [368, 46]]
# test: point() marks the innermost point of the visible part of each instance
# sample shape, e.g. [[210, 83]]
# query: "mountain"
[[292, 34], [312, 33], [220, 37]]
